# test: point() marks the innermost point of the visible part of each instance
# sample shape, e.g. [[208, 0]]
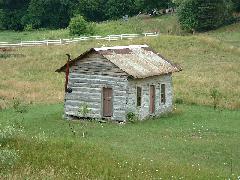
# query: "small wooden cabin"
[[114, 81]]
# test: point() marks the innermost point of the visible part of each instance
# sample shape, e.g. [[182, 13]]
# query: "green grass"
[[194, 142], [228, 34], [163, 24], [141, 24], [13, 36], [207, 63]]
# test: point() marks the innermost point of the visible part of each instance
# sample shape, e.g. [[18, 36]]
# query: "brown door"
[[152, 99], [107, 102]]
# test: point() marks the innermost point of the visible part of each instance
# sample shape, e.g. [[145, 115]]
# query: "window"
[[163, 93], [139, 96]]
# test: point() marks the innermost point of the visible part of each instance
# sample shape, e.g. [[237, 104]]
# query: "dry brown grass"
[[207, 63]]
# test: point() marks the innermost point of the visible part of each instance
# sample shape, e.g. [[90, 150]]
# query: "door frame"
[[152, 101], [102, 101]]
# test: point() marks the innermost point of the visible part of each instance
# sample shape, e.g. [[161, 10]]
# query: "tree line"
[[53, 14], [20, 14]]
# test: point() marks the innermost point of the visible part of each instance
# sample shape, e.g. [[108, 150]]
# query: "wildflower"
[[156, 170]]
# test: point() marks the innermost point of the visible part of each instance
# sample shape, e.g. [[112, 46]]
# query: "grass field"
[[28, 73], [194, 142], [141, 24]]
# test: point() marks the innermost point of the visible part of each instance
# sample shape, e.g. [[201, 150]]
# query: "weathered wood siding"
[[87, 78], [144, 110]]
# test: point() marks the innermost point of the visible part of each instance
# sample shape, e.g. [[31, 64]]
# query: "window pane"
[[163, 93], [139, 96]]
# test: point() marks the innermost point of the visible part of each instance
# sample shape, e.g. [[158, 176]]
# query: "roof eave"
[[63, 68]]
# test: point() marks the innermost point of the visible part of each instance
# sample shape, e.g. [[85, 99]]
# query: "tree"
[[115, 9], [49, 13], [78, 26], [92, 10], [146, 5], [236, 4], [202, 15], [12, 12]]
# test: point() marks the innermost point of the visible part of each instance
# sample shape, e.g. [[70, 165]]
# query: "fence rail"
[[114, 37]]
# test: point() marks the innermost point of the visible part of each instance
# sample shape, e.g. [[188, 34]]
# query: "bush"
[[201, 15], [28, 27], [19, 106], [215, 95], [179, 101], [78, 26], [132, 117], [84, 110]]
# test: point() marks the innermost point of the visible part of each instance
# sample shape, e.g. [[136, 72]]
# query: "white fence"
[[75, 40]]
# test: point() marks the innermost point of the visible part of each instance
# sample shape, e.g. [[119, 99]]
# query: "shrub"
[[179, 101], [201, 15], [78, 26], [84, 110], [215, 95], [19, 106], [28, 27], [132, 117]]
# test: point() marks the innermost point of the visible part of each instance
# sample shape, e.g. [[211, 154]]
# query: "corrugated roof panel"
[[139, 61]]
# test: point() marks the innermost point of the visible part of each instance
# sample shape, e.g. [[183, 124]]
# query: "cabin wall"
[[144, 110], [87, 79]]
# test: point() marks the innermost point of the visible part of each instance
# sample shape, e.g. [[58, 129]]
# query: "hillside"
[[167, 24], [28, 73], [193, 142]]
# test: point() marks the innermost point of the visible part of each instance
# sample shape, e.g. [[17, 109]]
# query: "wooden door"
[[107, 102], [152, 99]]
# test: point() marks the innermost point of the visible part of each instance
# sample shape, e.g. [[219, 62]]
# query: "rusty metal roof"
[[139, 61]]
